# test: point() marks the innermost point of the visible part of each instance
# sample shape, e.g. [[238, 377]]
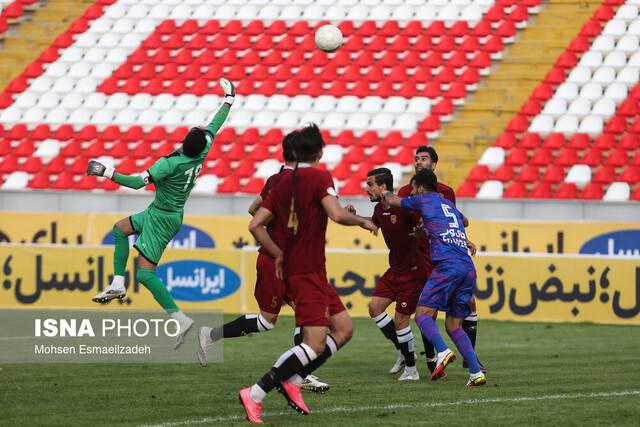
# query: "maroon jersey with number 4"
[[397, 225], [276, 234], [296, 203]]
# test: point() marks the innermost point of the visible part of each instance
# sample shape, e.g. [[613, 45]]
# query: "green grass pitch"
[[539, 374]]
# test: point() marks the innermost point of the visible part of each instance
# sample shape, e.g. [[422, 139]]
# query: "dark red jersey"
[[397, 225], [277, 235], [446, 192], [296, 204]]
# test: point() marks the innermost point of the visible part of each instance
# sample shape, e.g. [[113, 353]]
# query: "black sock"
[[326, 354], [429, 350], [471, 328], [389, 329], [405, 344], [236, 328], [292, 365]]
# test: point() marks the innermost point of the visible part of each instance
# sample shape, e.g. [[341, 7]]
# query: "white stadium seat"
[[256, 103], [332, 154], [197, 117], [48, 149], [579, 107], [542, 124], [63, 85], [123, 26], [604, 108], [357, 13], [338, 11], [615, 59], [555, 108], [162, 11], [311, 117], [628, 44], [379, 122], [603, 44], [163, 101], [72, 101], [617, 192], [490, 190], [492, 157], [95, 55], [278, 103], [26, 100], [591, 60], [348, 104], [419, 105], [149, 117], [579, 175], [334, 121], [359, 122], [371, 104], [41, 84], [301, 103], [394, 105], [604, 75], [591, 91], [406, 122], [616, 91], [101, 25], [592, 125], [628, 76], [95, 101], [60, 116], [579, 76], [634, 28], [117, 56], [78, 117], [173, 118], [16, 181], [147, 25], [34, 115], [140, 101], [127, 117], [268, 168], [79, 70], [57, 69], [73, 53], [186, 102], [627, 13], [426, 13], [634, 60], [615, 28], [115, 11], [212, 102], [137, 11], [567, 125], [402, 13], [117, 101], [206, 184], [264, 119], [13, 114], [567, 91], [103, 116], [49, 101], [287, 120]]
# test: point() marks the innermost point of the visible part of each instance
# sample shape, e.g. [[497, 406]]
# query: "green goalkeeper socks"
[[121, 254], [159, 291]]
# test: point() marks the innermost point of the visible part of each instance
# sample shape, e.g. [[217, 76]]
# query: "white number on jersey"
[[191, 176], [447, 211]]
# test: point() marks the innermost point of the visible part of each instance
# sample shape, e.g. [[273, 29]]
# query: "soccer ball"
[[328, 38]]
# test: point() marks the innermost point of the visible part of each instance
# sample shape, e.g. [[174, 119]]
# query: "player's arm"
[[260, 220], [352, 209], [392, 199], [96, 168], [218, 119], [465, 221], [340, 215], [255, 205]]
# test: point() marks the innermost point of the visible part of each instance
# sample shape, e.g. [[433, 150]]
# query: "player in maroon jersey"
[[269, 290], [301, 203], [404, 280], [427, 158]]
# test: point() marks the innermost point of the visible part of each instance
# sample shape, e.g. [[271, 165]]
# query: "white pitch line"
[[426, 405]]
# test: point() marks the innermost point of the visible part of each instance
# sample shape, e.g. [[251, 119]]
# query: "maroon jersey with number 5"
[[296, 202]]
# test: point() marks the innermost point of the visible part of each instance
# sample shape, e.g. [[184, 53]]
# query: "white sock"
[[257, 394], [410, 369], [179, 316], [296, 380], [117, 282]]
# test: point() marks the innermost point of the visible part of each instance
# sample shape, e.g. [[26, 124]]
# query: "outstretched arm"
[[96, 168], [218, 119], [392, 199], [340, 215]]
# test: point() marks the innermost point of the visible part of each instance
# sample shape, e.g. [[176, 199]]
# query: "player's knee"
[[143, 276], [270, 318], [374, 311]]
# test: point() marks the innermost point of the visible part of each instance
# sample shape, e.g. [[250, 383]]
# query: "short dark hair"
[[427, 179], [382, 176], [430, 150], [287, 147], [307, 143], [194, 142]]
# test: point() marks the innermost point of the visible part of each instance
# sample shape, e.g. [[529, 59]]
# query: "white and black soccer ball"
[[328, 38]]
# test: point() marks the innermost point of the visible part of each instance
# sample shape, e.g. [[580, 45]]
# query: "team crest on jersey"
[[394, 219]]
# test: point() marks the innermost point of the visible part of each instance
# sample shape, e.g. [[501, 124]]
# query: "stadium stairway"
[[512, 80], [35, 31]]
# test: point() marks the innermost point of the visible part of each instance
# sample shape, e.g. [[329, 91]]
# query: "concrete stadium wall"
[[545, 210]]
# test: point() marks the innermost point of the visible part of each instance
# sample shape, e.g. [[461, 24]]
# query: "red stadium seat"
[[616, 125], [555, 76], [479, 173], [379, 156], [275, 137], [9, 165], [579, 141], [63, 182], [405, 156], [605, 142], [592, 28], [56, 165], [230, 185], [554, 174], [141, 150], [119, 150], [86, 183], [24, 148], [40, 132], [531, 107], [566, 191], [628, 108], [368, 139], [40, 180], [518, 124], [346, 138], [392, 139], [543, 92], [630, 175], [222, 168], [87, 133], [95, 150], [605, 175], [79, 166], [506, 140], [245, 169], [236, 153], [617, 157], [630, 142], [417, 139], [72, 149], [355, 155], [530, 141], [127, 166], [541, 190], [554, 141], [592, 157], [592, 191], [528, 174], [64, 133], [249, 137], [467, 190], [32, 165], [567, 157], [636, 194], [567, 60], [353, 187], [342, 171], [253, 186], [17, 132], [517, 190], [517, 157], [504, 173]]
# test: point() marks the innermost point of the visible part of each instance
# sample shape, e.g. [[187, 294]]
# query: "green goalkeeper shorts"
[[156, 227]]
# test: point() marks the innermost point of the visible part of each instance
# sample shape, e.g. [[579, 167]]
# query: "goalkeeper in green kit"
[[174, 177]]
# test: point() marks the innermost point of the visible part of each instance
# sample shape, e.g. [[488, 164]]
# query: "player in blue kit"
[[451, 283]]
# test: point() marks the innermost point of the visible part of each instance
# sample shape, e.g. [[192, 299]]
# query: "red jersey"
[[404, 251], [301, 214], [276, 234], [446, 192]]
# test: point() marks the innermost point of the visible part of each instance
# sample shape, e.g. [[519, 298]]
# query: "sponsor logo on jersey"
[[620, 243], [195, 280], [187, 238]]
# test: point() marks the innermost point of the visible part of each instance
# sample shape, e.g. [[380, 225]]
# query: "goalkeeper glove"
[[229, 91], [98, 169]]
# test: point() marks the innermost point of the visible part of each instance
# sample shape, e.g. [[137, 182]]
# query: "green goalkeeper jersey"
[[175, 174]]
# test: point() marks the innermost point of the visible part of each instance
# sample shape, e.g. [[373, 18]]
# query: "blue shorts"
[[450, 287]]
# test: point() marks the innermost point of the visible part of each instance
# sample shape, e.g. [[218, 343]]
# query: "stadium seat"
[[503, 173], [352, 187], [506, 141], [492, 157], [541, 190], [566, 191], [530, 141], [517, 190], [592, 191], [636, 194], [467, 190], [592, 157], [553, 174], [617, 192], [579, 141], [230, 185], [490, 190], [479, 173], [16, 181], [579, 175], [617, 157], [541, 157], [605, 142], [517, 157], [630, 142], [40, 181], [630, 175], [604, 175], [528, 174]]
